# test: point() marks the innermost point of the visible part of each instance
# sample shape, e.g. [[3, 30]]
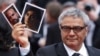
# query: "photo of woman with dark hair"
[[32, 17]]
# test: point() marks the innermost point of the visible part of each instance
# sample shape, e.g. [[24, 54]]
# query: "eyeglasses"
[[76, 29]]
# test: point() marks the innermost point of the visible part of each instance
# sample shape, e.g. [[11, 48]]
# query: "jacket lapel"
[[60, 50], [90, 51]]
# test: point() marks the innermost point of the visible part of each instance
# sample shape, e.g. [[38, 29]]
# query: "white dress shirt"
[[24, 51], [82, 51]]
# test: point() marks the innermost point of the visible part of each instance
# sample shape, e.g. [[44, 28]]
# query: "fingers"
[[20, 34], [18, 30]]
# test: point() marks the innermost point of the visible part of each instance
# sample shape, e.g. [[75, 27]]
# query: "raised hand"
[[20, 34]]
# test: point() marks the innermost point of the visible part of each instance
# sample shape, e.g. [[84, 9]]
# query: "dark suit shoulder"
[[47, 51], [93, 51]]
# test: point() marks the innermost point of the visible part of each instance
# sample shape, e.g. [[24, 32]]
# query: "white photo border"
[[3, 12], [33, 5]]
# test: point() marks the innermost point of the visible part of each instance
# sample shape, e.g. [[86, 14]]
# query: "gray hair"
[[76, 13]]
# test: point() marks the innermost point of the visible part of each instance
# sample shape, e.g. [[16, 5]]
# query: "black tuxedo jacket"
[[13, 52], [59, 50], [5, 33], [10, 52]]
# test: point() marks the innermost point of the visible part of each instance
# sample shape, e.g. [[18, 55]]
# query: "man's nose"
[[71, 33]]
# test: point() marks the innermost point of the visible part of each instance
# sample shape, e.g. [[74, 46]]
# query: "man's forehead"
[[72, 18], [72, 21]]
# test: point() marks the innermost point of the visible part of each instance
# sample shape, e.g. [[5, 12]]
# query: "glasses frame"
[[75, 29]]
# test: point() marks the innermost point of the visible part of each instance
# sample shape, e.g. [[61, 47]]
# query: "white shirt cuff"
[[24, 51]]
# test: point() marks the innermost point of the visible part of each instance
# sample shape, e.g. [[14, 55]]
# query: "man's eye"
[[75, 28], [12, 14], [78, 28]]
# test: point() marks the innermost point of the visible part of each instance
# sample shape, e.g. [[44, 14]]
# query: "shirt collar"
[[82, 51]]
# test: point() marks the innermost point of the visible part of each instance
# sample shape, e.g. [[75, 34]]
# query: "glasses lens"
[[78, 28]]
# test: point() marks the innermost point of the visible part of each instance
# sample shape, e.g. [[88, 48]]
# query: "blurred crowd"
[[49, 32]]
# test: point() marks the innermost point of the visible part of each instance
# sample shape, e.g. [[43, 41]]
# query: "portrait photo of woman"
[[32, 16]]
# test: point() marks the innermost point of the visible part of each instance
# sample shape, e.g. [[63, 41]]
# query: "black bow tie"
[[76, 54]]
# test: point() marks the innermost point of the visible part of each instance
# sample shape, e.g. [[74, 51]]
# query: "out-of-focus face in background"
[[2, 7], [5, 3]]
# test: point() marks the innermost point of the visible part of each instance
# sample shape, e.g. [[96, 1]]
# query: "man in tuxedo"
[[73, 24]]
